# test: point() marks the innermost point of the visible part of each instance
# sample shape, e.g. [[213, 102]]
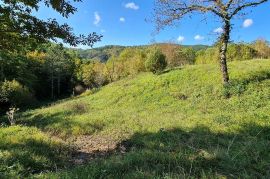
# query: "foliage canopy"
[[156, 61], [19, 26]]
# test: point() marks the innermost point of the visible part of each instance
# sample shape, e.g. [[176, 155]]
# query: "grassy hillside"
[[182, 123]]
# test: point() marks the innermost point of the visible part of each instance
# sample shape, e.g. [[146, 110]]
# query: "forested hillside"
[[103, 54]]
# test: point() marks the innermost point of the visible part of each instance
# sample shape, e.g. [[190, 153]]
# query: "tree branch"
[[247, 5], [201, 9]]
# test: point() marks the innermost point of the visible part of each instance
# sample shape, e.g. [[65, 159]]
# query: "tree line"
[[26, 71], [52, 71], [33, 68]]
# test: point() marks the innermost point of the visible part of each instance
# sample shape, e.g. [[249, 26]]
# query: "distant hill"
[[104, 53], [101, 53]]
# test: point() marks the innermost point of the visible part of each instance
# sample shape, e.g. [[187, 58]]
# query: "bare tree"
[[168, 12]]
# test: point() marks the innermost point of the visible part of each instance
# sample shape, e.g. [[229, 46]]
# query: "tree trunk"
[[2, 76], [2, 71], [52, 86], [58, 85], [223, 51]]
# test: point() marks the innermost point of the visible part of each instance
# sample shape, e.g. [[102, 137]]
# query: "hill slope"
[[182, 123]]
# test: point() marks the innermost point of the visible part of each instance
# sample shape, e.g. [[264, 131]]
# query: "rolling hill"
[[180, 124], [104, 53]]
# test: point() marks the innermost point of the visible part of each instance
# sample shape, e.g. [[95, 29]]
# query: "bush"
[[156, 62], [77, 107], [13, 93], [79, 89]]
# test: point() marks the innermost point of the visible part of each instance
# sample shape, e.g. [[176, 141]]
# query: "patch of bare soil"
[[88, 148]]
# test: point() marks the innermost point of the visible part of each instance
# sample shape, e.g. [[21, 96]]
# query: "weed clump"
[[78, 107]]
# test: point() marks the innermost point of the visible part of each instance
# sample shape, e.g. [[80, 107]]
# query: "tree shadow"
[[168, 70], [31, 156], [254, 77], [178, 153], [239, 86], [59, 124]]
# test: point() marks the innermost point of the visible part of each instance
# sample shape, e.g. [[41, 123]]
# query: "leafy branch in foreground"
[[18, 25]]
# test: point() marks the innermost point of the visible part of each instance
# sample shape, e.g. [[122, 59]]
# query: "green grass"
[[182, 123], [26, 150]]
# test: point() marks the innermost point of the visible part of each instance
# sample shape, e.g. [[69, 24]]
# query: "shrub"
[[78, 90], [12, 92], [77, 107], [156, 62]]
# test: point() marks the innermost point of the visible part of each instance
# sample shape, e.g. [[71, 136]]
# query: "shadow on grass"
[[168, 70], [43, 120], [60, 124], [31, 157], [254, 77], [186, 154], [239, 86]]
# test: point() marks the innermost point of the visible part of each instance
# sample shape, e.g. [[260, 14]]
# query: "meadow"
[[182, 123]]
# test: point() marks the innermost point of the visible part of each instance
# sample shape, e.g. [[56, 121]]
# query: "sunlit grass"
[[182, 123], [186, 98], [26, 150]]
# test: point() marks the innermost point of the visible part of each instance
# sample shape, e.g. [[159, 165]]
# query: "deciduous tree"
[[262, 47], [168, 12], [156, 61], [18, 25]]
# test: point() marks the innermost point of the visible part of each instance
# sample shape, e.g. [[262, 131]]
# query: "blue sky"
[[124, 23]]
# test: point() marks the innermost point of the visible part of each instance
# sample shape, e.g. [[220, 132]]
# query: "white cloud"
[[198, 37], [97, 19], [122, 19], [132, 5], [218, 30], [247, 23], [180, 38]]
